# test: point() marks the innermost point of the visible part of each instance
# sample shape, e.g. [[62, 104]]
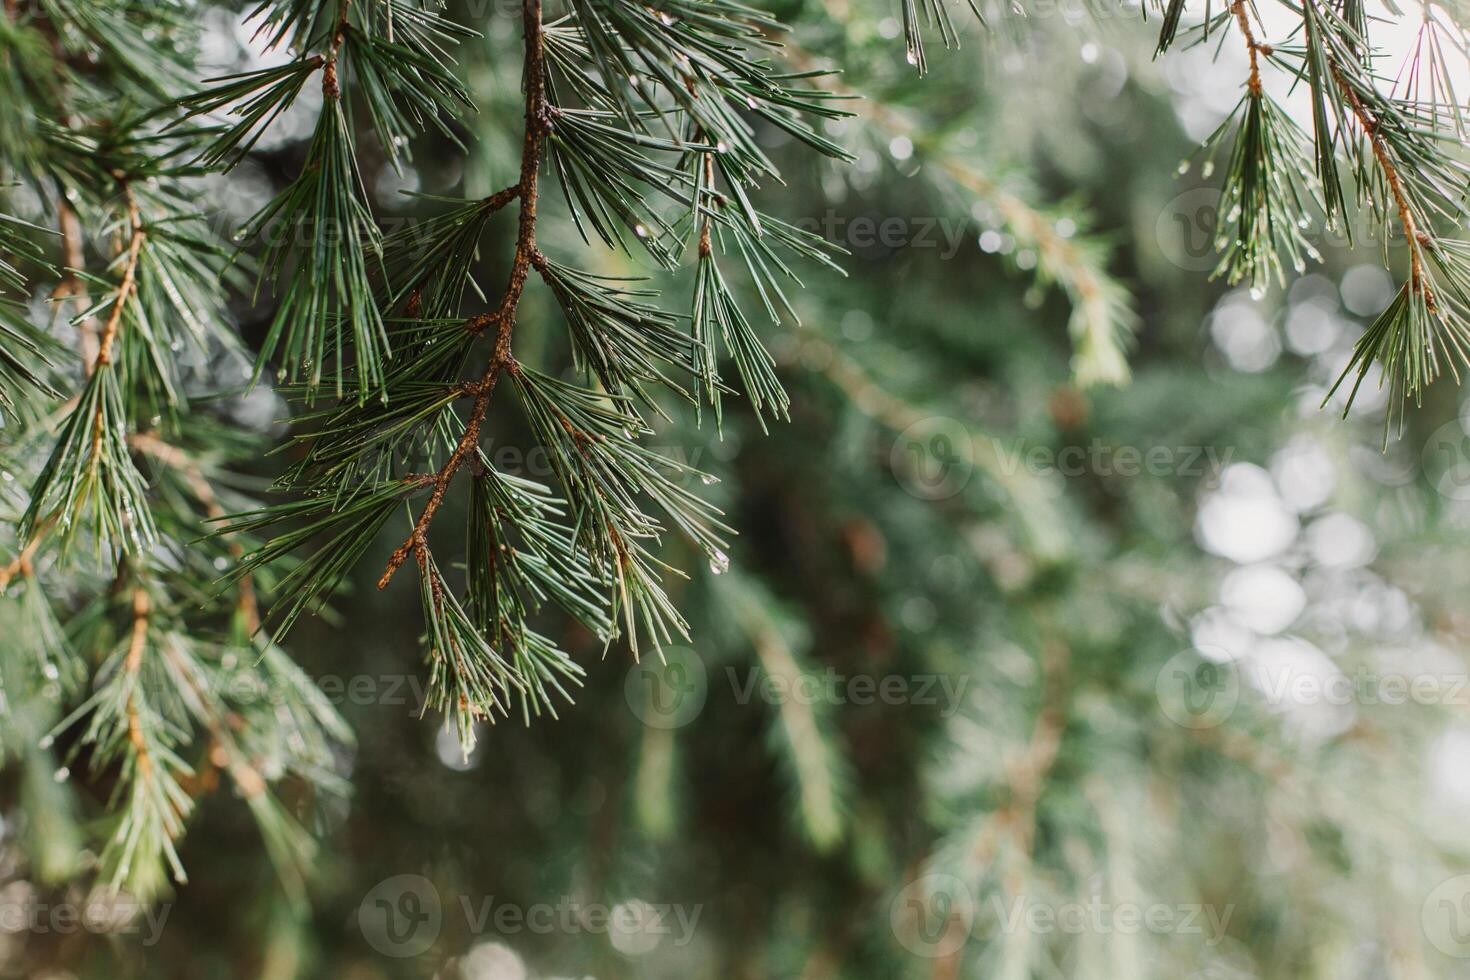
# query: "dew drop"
[[719, 563], [62, 775], [1183, 168], [708, 479], [50, 671], [46, 742], [912, 56], [641, 231], [1208, 170]]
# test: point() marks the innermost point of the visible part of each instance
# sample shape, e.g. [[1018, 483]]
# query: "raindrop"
[[708, 479], [62, 774], [912, 56], [719, 562]]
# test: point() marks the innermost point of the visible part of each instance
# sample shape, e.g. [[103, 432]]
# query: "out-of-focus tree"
[[1062, 634]]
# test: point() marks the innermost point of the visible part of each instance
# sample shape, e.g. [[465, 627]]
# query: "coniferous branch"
[[1267, 196], [538, 123], [1411, 177], [25, 352], [323, 241], [934, 15], [90, 469], [102, 459], [1405, 163]]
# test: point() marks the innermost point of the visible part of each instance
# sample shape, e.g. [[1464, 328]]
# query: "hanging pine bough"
[[119, 395], [667, 161], [1405, 154]]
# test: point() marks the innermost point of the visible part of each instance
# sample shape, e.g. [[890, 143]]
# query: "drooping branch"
[[1415, 238], [502, 318]]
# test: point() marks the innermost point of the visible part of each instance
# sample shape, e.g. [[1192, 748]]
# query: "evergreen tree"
[[153, 573]]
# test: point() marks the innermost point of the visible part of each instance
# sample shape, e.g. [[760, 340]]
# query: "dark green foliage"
[[136, 554]]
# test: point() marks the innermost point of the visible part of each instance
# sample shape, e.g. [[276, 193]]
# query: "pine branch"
[[538, 125]]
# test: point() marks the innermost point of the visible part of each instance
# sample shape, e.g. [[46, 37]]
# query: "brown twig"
[[331, 88], [1252, 45], [132, 664], [129, 281], [1416, 239], [502, 319], [21, 563]]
